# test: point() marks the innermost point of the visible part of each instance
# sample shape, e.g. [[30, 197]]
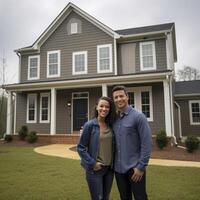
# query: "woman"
[[96, 149]]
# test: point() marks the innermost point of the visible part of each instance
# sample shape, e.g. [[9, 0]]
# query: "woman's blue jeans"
[[100, 183]]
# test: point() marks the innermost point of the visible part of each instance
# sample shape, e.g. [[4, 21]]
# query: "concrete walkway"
[[63, 150]]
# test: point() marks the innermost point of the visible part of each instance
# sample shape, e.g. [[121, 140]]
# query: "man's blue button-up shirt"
[[132, 141]]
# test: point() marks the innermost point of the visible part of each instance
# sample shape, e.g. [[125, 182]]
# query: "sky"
[[23, 21]]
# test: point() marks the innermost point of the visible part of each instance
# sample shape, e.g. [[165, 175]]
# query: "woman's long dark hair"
[[110, 118]]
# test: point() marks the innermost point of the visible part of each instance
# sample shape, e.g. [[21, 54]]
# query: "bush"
[[23, 132], [161, 139], [8, 138], [32, 137], [192, 143]]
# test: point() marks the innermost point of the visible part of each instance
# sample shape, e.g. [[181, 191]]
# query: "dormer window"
[[74, 28]]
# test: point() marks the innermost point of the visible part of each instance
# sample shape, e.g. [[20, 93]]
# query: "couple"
[[116, 144]]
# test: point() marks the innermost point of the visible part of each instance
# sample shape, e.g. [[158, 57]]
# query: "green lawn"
[[26, 175]]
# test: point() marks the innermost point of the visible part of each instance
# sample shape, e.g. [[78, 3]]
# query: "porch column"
[[9, 114], [168, 124], [104, 90], [53, 111]]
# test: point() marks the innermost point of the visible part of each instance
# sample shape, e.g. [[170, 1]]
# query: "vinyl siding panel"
[[90, 37]]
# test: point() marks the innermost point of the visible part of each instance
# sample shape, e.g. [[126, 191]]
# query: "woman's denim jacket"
[[88, 145]]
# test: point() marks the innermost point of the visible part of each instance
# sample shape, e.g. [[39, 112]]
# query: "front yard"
[[26, 175]]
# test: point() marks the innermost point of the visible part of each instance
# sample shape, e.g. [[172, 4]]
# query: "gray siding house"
[[77, 59]]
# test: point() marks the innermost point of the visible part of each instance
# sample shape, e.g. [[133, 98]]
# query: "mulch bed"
[[170, 152]]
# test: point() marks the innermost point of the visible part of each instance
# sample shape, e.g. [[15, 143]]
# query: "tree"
[[188, 73]]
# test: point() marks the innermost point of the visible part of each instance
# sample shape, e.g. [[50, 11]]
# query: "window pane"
[[53, 69], [196, 112], [104, 64], [33, 62], [131, 99], [53, 58], [31, 115], [44, 102], [80, 63], [145, 98], [104, 52], [33, 72], [44, 114], [104, 58], [147, 55]]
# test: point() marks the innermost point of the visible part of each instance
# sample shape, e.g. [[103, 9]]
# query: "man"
[[133, 147]]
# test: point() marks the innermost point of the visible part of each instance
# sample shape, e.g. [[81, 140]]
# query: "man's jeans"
[[126, 186], [100, 183]]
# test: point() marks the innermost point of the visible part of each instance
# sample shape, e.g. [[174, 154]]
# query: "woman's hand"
[[97, 166]]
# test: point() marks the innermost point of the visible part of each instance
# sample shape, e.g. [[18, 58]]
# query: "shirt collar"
[[127, 110]]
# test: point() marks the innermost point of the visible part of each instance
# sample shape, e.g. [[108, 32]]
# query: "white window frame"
[[74, 28], [110, 59], [190, 110], [138, 99], [154, 56], [85, 63], [38, 67], [44, 95], [27, 108], [54, 75]]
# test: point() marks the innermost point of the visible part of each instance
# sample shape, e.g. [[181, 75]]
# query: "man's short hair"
[[120, 87]]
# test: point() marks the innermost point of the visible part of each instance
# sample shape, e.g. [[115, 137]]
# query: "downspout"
[[179, 119]]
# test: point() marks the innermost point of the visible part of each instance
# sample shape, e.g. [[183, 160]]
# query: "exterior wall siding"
[[161, 60], [21, 114], [88, 40], [63, 112], [187, 129]]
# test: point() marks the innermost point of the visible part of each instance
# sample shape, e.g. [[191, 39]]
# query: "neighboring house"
[[77, 59], [187, 108]]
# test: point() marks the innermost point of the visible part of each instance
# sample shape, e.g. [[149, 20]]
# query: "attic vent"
[[74, 26]]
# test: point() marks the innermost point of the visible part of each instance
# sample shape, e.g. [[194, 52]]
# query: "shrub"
[[8, 138], [23, 132], [161, 139], [192, 143], [32, 137]]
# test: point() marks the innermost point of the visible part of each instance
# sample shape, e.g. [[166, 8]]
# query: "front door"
[[80, 113]]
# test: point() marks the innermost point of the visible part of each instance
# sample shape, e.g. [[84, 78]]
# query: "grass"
[[26, 175]]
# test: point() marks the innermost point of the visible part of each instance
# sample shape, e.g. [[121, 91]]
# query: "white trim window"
[[194, 108], [104, 58], [33, 67], [147, 56], [79, 60], [31, 114], [53, 64], [44, 107], [74, 28], [141, 99]]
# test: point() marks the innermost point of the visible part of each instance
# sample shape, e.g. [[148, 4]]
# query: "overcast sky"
[[22, 22]]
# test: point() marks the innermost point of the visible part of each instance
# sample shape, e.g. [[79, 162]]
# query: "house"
[[77, 59]]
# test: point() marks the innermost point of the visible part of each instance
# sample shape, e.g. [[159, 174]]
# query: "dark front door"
[[80, 113]]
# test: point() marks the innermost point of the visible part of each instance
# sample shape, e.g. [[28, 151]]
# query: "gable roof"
[[187, 88], [60, 18]]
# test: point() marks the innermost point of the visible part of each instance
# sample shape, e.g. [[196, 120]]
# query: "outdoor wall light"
[[69, 103]]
